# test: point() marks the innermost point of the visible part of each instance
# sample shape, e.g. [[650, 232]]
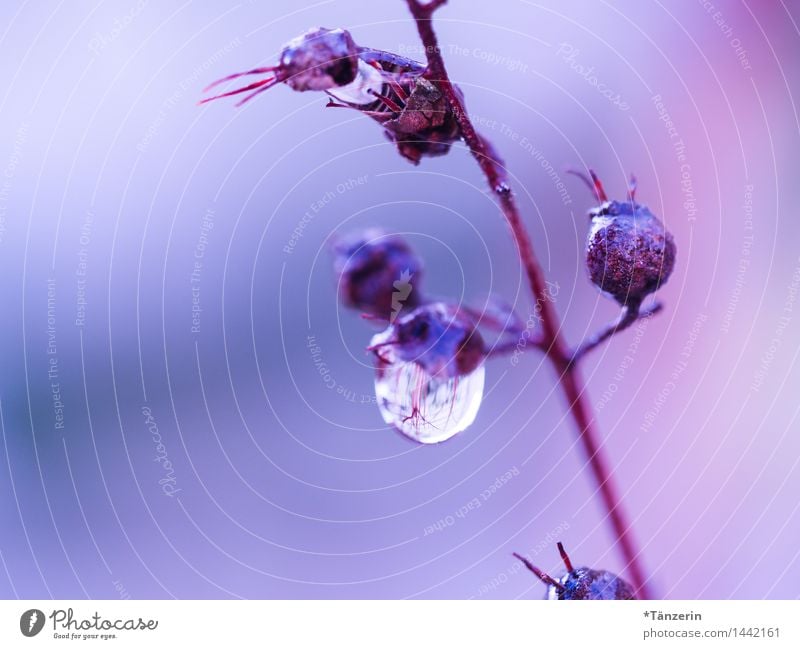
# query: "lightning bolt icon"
[[32, 620], [402, 290]]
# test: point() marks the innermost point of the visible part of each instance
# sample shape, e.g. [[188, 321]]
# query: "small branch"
[[551, 341], [630, 314]]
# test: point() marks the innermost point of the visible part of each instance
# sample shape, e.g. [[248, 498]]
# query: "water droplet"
[[428, 409]]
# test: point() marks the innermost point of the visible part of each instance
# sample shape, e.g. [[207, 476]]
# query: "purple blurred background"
[[273, 481]]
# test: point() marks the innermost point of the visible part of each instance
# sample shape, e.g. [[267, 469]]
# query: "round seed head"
[[629, 252]]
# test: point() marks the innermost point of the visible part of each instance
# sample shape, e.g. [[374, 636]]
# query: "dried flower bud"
[[629, 252], [582, 583], [379, 274]]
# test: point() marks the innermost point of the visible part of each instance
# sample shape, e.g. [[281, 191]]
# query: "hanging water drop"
[[428, 409], [430, 373]]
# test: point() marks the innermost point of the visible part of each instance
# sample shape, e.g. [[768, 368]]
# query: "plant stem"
[[551, 342], [630, 313]]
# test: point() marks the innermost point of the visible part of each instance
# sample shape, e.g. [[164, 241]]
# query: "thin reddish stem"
[[552, 342], [264, 84], [630, 313], [543, 576], [594, 184]]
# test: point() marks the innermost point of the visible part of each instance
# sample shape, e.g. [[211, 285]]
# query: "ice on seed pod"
[[430, 374]]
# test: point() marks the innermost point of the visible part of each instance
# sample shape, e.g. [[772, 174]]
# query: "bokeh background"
[[167, 429]]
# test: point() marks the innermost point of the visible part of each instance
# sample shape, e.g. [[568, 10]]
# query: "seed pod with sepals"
[[629, 252], [581, 583]]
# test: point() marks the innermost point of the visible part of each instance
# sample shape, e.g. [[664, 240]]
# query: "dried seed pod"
[[379, 274], [581, 583], [629, 252], [411, 108], [424, 125], [391, 89]]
